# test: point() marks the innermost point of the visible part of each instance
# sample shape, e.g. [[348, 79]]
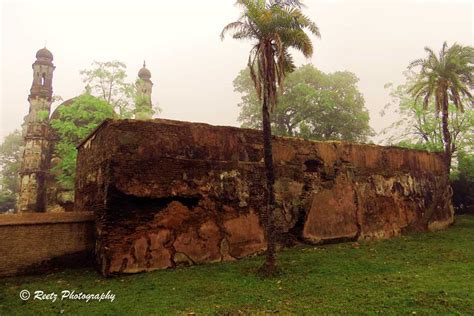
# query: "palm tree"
[[273, 26], [446, 77]]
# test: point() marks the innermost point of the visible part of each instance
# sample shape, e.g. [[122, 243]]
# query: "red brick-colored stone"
[[333, 213], [245, 235], [205, 186]]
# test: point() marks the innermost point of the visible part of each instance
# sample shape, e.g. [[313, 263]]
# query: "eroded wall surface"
[[167, 193]]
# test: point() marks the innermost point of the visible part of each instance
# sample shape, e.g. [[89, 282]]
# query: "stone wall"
[[167, 193], [38, 242]]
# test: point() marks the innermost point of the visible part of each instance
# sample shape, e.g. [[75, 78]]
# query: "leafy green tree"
[[313, 105], [107, 80], [463, 183], [7, 201], [10, 155], [75, 122], [418, 125], [446, 77], [274, 27], [466, 165]]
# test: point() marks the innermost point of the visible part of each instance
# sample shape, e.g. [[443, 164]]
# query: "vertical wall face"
[[35, 163], [167, 193], [39, 242]]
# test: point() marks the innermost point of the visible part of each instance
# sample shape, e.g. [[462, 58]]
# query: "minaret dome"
[[144, 73], [44, 54]]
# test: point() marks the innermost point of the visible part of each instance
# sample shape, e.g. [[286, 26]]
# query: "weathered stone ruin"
[[167, 193]]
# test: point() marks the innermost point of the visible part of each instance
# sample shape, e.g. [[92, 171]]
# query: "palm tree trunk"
[[269, 92], [269, 267], [446, 133]]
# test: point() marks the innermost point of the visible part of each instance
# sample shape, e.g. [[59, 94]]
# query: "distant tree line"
[[312, 105]]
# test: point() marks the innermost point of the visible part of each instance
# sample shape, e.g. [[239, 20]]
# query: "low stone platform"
[[167, 193]]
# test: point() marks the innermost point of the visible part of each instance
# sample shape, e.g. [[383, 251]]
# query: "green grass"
[[422, 274]]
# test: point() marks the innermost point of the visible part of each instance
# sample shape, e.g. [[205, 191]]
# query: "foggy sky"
[[192, 69]]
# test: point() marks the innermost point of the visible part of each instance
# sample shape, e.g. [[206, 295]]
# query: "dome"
[[44, 53], [55, 115], [144, 73]]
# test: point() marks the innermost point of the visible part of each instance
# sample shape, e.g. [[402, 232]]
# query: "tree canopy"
[[418, 125], [108, 81], [75, 122], [312, 105], [10, 157]]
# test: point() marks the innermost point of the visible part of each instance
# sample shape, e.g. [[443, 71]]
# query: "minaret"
[[35, 163], [144, 109]]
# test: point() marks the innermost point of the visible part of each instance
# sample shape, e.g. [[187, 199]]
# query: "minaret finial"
[[144, 64]]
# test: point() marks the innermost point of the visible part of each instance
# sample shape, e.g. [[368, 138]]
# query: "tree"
[[463, 183], [7, 201], [421, 129], [274, 27], [76, 121], [448, 76], [107, 80], [10, 155], [313, 105]]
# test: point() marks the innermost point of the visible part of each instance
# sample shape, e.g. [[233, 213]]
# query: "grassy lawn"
[[422, 274]]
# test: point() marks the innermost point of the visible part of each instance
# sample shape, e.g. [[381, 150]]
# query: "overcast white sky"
[[191, 68]]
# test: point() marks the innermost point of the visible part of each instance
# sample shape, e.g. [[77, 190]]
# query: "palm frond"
[[236, 26], [416, 63], [286, 3], [298, 39], [275, 25]]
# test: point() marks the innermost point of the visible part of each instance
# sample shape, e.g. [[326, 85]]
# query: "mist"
[[192, 69]]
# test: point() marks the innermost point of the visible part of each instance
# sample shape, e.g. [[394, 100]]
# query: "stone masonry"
[[36, 155], [168, 193]]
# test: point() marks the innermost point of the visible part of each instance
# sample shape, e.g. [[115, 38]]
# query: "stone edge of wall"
[[111, 122], [45, 218]]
